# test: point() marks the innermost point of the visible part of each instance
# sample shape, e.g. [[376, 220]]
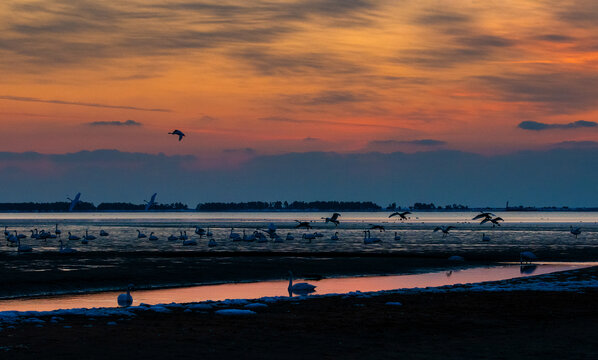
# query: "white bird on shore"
[[290, 236], [335, 236], [153, 237], [73, 237], [126, 299], [234, 236], [575, 231], [66, 249], [527, 257], [179, 133], [397, 236], [299, 288], [485, 237], [140, 235]]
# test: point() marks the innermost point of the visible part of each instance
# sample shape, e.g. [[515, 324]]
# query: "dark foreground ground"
[[519, 325]]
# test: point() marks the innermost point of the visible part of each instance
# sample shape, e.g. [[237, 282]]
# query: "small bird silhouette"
[[179, 133], [402, 215]]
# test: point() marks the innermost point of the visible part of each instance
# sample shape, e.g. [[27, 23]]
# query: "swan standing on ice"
[[575, 231], [299, 288], [179, 133], [335, 236], [290, 237], [485, 237], [73, 237], [126, 299], [200, 231], [153, 237], [140, 235], [397, 236], [57, 231], [103, 233]]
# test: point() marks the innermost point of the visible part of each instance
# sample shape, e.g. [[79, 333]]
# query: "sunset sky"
[[258, 78]]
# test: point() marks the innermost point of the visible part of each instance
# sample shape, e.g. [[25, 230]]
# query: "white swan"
[[66, 249], [445, 229], [23, 248], [212, 242], [277, 239], [103, 233], [368, 239], [12, 239], [290, 236], [183, 236], [6, 232], [189, 242], [485, 237], [57, 231], [234, 236], [300, 288], [199, 231], [209, 233], [73, 237], [172, 237], [575, 231], [126, 299], [153, 237], [140, 235], [527, 257], [309, 236], [397, 236], [89, 237], [335, 236]]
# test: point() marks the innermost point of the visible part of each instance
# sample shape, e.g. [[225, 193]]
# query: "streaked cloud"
[[75, 103], [420, 142], [116, 123]]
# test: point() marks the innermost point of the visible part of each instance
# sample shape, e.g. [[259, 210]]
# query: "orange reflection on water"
[[256, 290]]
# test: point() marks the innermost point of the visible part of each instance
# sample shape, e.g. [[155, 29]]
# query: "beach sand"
[[452, 325]]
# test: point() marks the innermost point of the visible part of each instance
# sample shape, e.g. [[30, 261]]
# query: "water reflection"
[[528, 269], [280, 288]]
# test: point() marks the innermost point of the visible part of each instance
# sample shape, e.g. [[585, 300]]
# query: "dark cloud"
[[420, 142], [207, 119], [63, 102], [558, 38], [538, 126], [246, 151], [330, 97], [116, 123], [570, 144], [310, 139], [562, 92], [432, 18]]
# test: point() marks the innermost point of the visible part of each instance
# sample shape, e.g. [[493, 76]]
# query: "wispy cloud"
[[115, 123], [539, 126], [246, 151], [419, 142], [76, 103], [326, 122]]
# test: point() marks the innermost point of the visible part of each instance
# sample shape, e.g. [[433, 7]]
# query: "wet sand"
[[454, 325], [45, 273]]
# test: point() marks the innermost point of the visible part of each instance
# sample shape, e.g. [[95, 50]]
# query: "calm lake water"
[[260, 289], [519, 229]]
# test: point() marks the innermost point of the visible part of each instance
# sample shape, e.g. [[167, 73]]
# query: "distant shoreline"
[[470, 210]]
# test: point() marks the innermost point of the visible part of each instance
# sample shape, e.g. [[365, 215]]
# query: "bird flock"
[[260, 235]]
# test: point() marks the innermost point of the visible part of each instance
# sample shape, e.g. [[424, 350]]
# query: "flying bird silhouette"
[[402, 215], [179, 133], [333, 219], [302, 224], [445, 229]]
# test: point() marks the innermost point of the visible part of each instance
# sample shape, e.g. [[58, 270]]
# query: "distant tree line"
[[294, 206], [86, 206]]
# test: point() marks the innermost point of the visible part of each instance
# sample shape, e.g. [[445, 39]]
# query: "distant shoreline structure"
[[277, 206]]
